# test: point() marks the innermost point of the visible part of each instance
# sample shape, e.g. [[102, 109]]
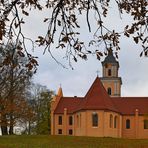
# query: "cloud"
[[133, 69]]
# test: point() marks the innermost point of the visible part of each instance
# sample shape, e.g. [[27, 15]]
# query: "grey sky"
[[133, 69]]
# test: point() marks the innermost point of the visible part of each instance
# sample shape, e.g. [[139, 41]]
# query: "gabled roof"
[[128, 105], [97, 98], [72, 104]]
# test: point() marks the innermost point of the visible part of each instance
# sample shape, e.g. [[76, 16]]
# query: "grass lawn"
[[68, 142]]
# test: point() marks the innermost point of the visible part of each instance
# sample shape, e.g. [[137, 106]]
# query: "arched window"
[[115, 122], [145, 124], [128, 124], [80, 120], [111, 121], [60, 120], [77, 120], [109, 91], [94, 119], [70, 120], [109, 72]]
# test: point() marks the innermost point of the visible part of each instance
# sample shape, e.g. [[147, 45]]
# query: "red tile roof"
[[72, 104], [128, 105], [98, 99]]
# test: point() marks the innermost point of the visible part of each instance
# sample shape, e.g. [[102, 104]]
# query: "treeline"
[[22, 103]]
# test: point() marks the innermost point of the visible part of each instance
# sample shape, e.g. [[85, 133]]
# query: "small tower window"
[[109, 72], [109, 91]]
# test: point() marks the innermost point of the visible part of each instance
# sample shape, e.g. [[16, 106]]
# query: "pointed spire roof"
[[110, 58], [97, 97], [60, 92]]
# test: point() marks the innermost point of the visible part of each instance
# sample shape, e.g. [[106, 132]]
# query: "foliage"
[[63, 24], [69, 142], [14, 79], [40, 104]]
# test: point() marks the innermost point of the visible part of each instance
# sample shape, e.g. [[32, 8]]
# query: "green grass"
[[69, 142]]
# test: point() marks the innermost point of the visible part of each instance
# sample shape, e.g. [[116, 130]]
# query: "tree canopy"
[[14, 80], [64, 17]]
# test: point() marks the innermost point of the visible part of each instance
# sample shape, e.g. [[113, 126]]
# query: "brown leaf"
[[65, 39], [136, 39], [46, 19], [25, 13]]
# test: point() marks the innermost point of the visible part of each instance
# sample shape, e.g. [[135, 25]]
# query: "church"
[[102, 112]]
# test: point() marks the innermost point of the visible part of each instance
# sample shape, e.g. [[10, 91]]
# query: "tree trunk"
[[11, 124], [4, 130], [11, 130], [29, 128], [4, 125]]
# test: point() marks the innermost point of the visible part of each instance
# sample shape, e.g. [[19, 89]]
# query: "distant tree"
[[63, 24], [14, 79], [39, 102], [43, 126]]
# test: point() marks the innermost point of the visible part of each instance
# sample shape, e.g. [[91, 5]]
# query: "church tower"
[[110, 79]]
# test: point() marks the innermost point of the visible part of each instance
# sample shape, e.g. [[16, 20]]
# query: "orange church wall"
[[56, 125], [83, 125], [94, 131], [128, 133], [137, 128], [80, 120], [141, 132]]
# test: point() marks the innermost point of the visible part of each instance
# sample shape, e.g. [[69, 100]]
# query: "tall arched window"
[[109, 91], [145, 124], [77, 120], [94, 119], [109, 72], [60, 120], [115, 122], [70, 120], [111, 121], [128, 124]]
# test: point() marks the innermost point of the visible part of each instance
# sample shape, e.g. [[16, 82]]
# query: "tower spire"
[[60, 92]]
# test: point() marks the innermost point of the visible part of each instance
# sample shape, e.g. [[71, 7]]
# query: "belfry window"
[[94, 119], [128, 124], [109, 72], [109, 91]]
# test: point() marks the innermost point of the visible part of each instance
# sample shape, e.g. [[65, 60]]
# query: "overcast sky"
[[133, 69]]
